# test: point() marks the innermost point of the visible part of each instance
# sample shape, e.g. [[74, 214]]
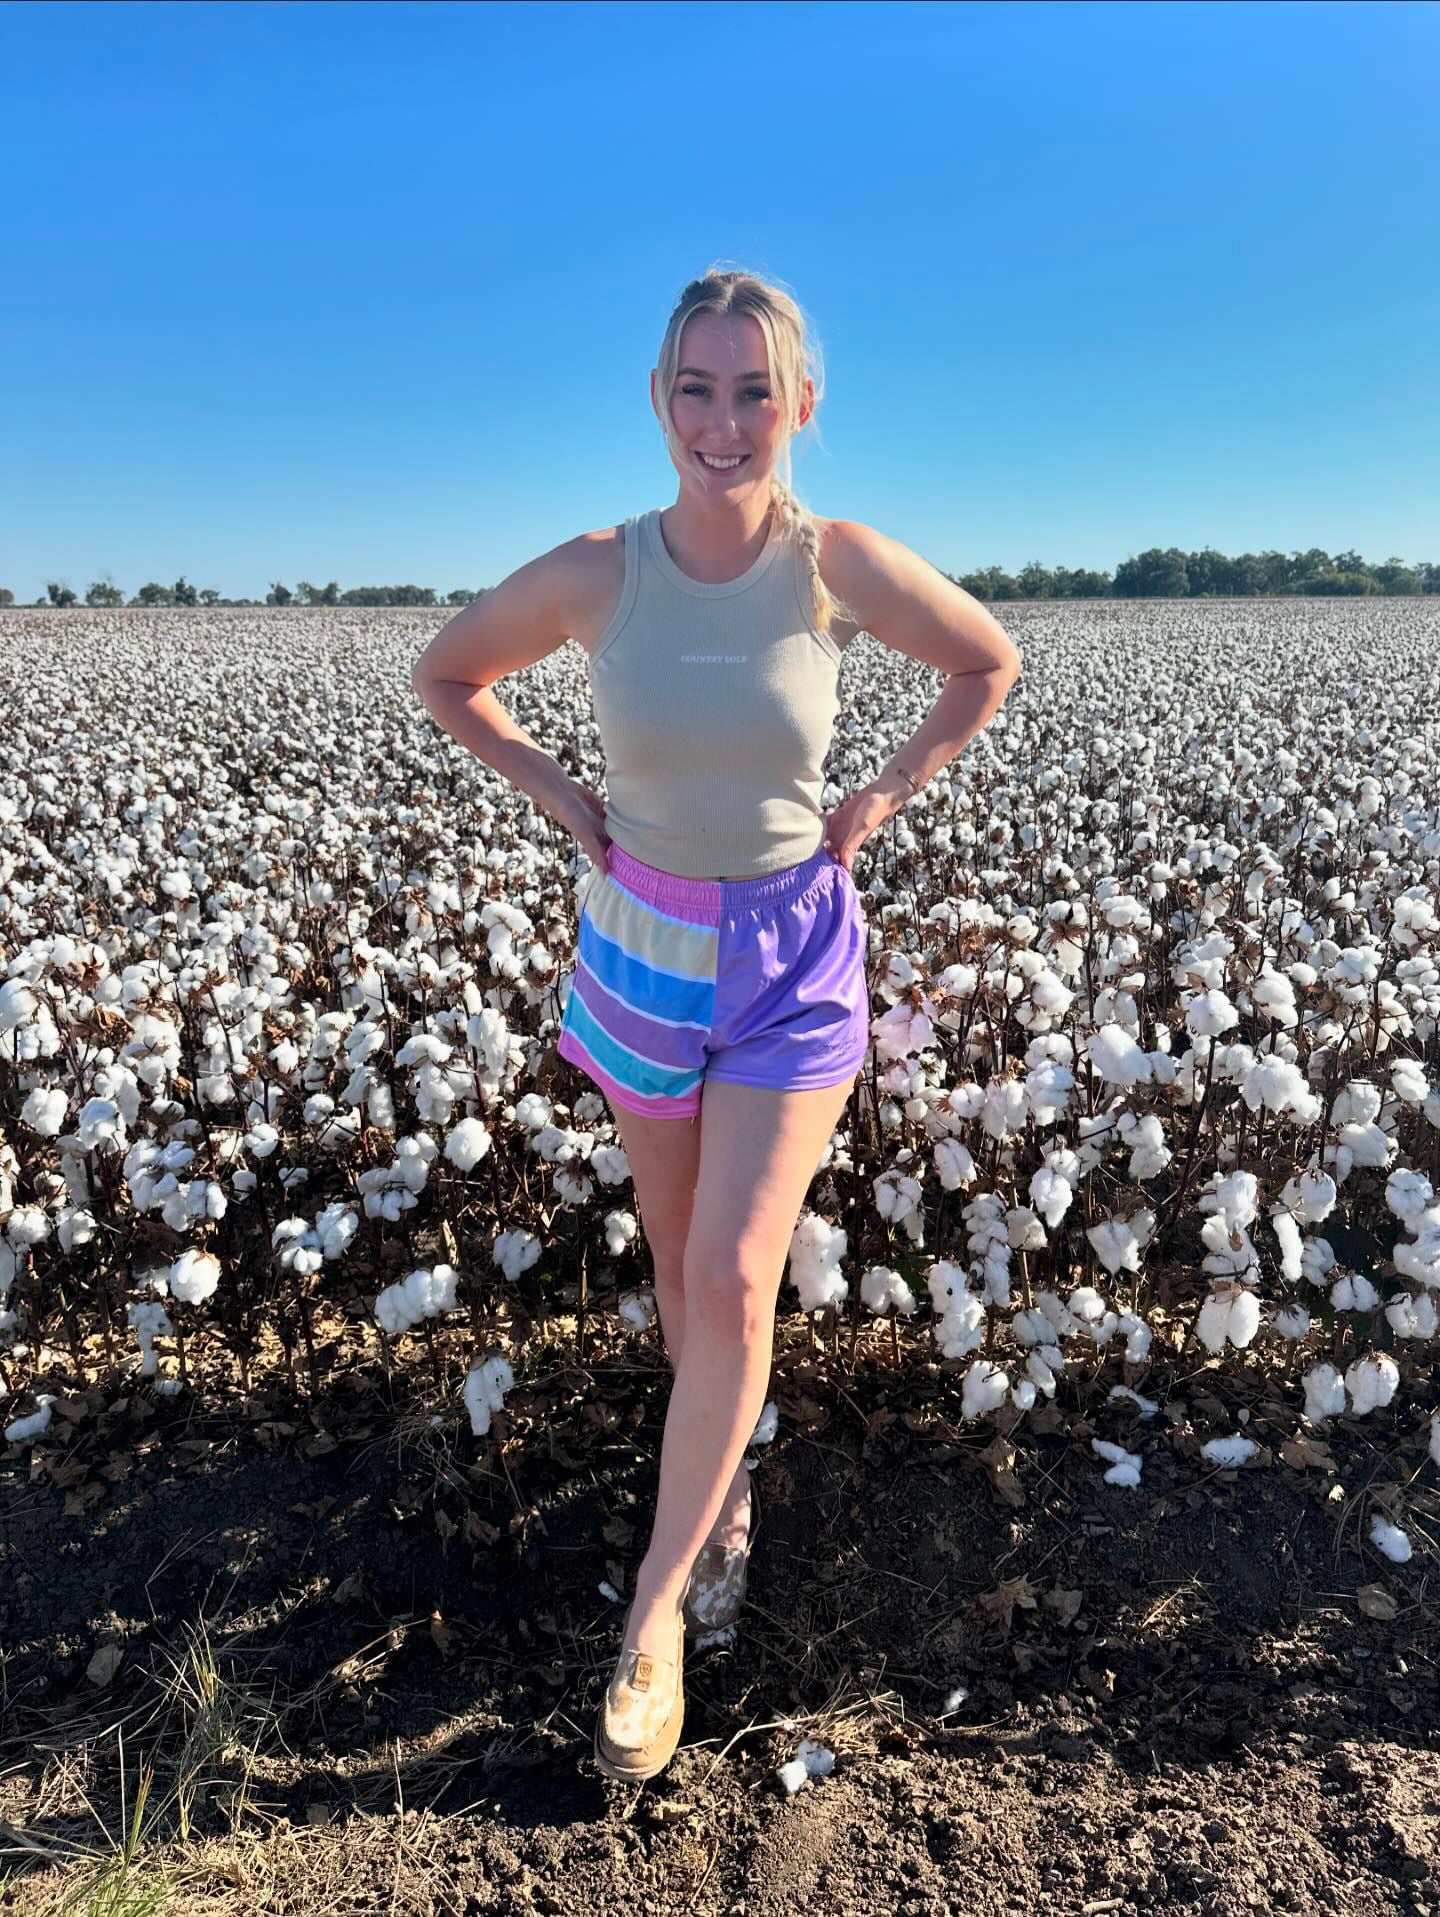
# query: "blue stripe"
[[677, 999], [629, 1068]]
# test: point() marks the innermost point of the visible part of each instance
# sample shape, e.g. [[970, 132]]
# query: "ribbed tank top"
[[716, 706]]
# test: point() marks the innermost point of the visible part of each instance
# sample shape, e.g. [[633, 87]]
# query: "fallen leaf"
[[998, 1458], [1375, 1601], [1000, 1603], [1064, 1604], [104, 1664]]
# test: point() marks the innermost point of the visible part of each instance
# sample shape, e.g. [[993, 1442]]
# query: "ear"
[[807, 402]]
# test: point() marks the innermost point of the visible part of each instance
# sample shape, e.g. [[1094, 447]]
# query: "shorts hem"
[[796, 1085]]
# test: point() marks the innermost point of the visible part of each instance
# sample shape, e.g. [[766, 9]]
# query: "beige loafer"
[[716, 1591], [637, 1730]]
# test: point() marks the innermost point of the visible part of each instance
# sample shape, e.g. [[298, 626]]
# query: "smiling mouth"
[[728, 468]]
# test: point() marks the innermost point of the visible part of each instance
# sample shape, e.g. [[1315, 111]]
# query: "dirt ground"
[[1174, 1699]]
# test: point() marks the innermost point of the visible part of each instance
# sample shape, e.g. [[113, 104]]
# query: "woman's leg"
[[664, 1155], [759, 1150]]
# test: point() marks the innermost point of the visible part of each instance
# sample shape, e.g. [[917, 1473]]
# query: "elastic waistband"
[[670, 888]]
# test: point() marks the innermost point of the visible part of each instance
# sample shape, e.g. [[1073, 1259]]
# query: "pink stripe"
[[569, 1047]]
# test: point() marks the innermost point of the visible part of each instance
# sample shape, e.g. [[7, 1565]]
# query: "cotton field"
[[1154, 988]]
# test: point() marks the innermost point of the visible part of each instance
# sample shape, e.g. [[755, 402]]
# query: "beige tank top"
[[716, 706]]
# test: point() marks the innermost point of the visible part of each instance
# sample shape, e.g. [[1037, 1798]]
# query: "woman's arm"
[[530, 614]]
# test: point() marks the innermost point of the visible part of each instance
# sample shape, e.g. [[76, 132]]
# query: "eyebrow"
[[704, 375]]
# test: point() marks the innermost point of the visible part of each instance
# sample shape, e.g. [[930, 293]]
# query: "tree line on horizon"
[[1158, 573]]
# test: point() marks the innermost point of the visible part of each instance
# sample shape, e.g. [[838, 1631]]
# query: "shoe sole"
[[634, 1771]]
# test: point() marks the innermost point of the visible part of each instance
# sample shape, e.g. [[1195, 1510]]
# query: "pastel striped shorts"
[[753, 981]]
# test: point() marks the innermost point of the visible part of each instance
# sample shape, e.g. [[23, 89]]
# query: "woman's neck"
[[714, 548]]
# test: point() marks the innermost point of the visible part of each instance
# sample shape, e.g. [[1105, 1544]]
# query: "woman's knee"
[[733, 1288]]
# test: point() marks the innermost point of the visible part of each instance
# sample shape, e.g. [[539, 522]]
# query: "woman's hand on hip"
[[854, 820]]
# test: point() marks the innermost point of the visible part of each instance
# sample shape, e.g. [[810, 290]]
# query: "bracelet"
[[909, 778]]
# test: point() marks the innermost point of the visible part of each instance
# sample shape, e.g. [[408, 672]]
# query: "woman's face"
[[723, 403]]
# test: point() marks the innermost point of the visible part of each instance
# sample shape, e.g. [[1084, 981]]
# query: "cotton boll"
[[621, 1228], [1324, 1393], [608, 1163], [1115, 1245], [954, 1166], [423, 1047], [1413, 1317], [637, 1309], [1229, 1451], [1023, 1230], [194, 1277], [818, 1761], [816, 1248], [1372, 1382], [1390, 1539], [1291, 1249], [1149, 1154], [960, 1315], [1125, 1470], [467, 1143], [1137, 1335], [572, 1187], [1435, 1436], [1086, 1305], [21, 1430], [1116, 1058], [261, 1140], [985, 1386], [1022, 1394], [44, 1110], [27, 1225], [1043, 1365], [881, 1288], [1227, 1315], [1408, 1193], [485, 1388], [766, 1426], [150, 1322], [515, 1251], [18, 1005], [420, 1294], [75, 1226], [810, 1760], [897, 1196], [1292, 1321], [1051, 1195], [1354, 1292]]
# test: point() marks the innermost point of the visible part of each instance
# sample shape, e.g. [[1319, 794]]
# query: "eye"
[[758, 392]]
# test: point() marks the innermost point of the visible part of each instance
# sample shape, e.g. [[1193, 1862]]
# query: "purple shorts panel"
[[751, 981]]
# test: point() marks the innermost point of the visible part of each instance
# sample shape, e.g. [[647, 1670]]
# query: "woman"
[[722, 944]]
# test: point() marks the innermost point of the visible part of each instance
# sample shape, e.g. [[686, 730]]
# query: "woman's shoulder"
[[601, 559], [837, 560]]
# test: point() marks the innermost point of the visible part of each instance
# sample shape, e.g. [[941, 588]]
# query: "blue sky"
[[372, 292]]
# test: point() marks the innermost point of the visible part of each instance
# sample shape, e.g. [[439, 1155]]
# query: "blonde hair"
[[793, 352]]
